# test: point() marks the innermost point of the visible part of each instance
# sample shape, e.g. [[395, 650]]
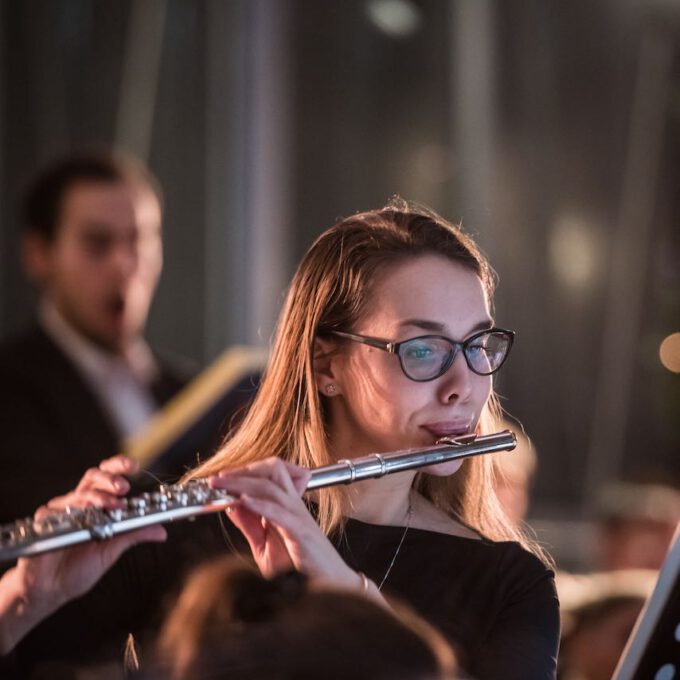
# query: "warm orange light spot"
[[669, 352]]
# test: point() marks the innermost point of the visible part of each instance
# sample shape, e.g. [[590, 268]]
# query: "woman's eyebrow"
[[436, 327]]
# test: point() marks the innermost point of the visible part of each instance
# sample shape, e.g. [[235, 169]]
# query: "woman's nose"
[[456, 383]]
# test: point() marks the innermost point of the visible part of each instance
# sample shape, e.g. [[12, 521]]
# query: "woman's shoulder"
[[506, 566], [520, 568], [513, 554]]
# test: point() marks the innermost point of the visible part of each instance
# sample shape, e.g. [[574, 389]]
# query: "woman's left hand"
[[281, 532], [65, 574], [37, 586]]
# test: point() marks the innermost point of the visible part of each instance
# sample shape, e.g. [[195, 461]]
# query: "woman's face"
[[375, 407]]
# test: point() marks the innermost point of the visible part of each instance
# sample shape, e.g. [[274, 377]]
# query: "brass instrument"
[[29, 536]]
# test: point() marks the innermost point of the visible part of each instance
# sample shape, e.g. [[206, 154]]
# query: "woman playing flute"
[[387, 341]]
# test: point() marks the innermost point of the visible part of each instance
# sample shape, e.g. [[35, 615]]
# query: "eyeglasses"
[[429, 356]]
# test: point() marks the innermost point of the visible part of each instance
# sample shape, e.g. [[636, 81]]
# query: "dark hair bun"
[[259, 599]]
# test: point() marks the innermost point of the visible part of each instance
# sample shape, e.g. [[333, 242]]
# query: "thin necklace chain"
[[409, 514]]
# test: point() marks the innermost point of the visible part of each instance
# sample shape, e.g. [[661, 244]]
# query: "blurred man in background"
[[81, 380]]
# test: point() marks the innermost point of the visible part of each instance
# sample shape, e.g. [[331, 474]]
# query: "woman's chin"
[[443, 469]]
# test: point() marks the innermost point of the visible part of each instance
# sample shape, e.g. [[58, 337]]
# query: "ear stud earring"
[[330, 388]]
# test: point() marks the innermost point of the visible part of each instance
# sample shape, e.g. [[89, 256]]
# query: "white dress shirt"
[[121, 383]]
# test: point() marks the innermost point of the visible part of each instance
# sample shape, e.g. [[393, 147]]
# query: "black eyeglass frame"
[[394, 347]]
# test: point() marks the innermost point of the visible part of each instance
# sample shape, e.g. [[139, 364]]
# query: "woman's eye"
[[419, 352]]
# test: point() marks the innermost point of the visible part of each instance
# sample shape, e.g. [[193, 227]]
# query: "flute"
[[28, 536]]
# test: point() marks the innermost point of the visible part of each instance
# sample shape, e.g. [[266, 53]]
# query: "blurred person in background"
[[635, 525], [82, 379], [231, 622], [599, 612], [514, 474]]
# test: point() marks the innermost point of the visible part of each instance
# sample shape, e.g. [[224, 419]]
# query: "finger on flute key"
[[102, 480], [292, 478], [84, 499], [120, 464]]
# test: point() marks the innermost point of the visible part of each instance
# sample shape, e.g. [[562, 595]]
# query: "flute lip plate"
[[457, 439]]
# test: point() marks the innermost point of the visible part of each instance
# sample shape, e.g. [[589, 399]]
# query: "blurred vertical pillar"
[[472, 103], [3, 161], [225, 198], [139, 83], [36, 126], [46, 80], [247, 170], [630, 260]]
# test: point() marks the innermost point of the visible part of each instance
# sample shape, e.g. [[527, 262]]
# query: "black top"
[[494, 601]]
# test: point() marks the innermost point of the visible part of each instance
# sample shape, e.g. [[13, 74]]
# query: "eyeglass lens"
[[428, 357]]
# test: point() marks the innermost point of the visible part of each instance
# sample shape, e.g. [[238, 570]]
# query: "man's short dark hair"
[[41, 207]]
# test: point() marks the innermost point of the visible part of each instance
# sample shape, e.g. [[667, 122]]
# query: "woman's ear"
[[326, 373]]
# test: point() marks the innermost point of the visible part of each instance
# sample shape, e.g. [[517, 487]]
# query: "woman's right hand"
[[281, 532]]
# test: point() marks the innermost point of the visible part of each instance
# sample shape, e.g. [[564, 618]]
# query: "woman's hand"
[[72, 572], [37, 586], [277, 524]]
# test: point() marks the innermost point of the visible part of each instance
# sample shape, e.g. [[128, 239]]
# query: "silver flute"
[[29, 536]]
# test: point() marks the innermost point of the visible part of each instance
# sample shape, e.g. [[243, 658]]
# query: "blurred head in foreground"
[[230, 622]]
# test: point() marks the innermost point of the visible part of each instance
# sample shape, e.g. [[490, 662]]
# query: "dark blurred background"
[[550, 129]]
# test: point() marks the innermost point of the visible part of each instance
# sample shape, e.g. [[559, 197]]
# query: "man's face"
[[102, 267]]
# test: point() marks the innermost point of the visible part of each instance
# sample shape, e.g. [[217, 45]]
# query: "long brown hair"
[[331, 290]]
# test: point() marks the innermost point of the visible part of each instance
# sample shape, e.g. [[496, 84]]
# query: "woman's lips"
[[447, 429]]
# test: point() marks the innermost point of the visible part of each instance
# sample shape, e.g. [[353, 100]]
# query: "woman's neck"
[[385, 500], [382, 501], [390, 501]]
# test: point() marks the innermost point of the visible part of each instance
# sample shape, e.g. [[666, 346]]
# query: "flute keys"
[[138, 505], [200, 496], [52, 524], [177, 496], [24, 529], [160, 500], [100, 532], [116, 514]]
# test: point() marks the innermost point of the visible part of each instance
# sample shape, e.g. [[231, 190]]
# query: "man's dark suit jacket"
[[52, 426]]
